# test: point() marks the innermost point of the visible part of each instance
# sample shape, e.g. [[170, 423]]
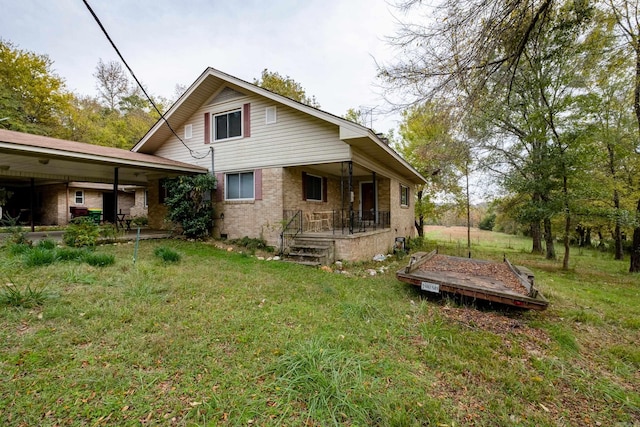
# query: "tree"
[[626, 16], [112, 83], [428, 144], [32, 97], [285, 86], [356, 116]]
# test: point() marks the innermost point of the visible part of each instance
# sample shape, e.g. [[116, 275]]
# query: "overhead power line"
[[155, 107]]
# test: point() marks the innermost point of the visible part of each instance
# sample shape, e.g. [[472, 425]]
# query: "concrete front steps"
[[308, 251]]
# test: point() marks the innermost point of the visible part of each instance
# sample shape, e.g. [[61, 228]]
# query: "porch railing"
[[360, 221], [292, 226]]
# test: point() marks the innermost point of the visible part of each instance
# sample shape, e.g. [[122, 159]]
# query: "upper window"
[[313, 188], [227, 125], [270, 115], [404, 195], [79, 197], [239, 186], [188, 131]]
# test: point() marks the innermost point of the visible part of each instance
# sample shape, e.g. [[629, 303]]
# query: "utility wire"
[[191, 152]]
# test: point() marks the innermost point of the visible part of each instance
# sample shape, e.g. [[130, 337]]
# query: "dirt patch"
[[497, 271]]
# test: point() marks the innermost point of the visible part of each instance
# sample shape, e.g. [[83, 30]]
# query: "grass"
[[222, 338]]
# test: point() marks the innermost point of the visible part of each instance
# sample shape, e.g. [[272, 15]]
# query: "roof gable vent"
[[226, 94]]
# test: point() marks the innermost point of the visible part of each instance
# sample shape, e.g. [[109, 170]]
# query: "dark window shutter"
[[304, 186], [207, 129], [246, 117], [257, 177], [219, 187], [324, 189]]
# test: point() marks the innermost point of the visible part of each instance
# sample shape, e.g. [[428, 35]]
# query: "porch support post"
[[115, 197], [32, 203], [351, 197], [375, 199]]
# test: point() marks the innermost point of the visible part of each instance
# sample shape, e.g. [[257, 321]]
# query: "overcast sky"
[[328, 46]]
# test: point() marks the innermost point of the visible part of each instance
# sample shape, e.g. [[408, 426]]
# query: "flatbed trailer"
[[479, 286]]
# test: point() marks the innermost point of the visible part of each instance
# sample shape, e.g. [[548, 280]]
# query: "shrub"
[[189, 203], [252, 244], [141, 221], [99, 260], [167, 254], [488, 222], [109, 231], [39, 256], [81, 231], [27, 297]]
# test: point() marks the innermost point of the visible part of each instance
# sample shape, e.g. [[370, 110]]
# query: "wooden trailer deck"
[[484, 280]]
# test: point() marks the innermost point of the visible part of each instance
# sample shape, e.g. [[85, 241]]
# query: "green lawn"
[[223, 338]]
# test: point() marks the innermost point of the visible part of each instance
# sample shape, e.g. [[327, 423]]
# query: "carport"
[[29, 161]]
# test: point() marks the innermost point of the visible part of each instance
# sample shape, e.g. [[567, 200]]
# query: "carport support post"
[[115, 196], [31, 203]]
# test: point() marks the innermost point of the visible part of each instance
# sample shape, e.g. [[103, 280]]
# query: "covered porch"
[[348, 204]]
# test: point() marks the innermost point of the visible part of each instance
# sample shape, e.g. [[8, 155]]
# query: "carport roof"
[[24, 155]]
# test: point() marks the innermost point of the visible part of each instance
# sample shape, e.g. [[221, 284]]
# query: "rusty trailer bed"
[[479, 286]]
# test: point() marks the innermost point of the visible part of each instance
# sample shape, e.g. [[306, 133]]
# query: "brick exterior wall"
[[139, 208], [282, 190]]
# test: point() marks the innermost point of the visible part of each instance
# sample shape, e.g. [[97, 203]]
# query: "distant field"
[[478, 237]]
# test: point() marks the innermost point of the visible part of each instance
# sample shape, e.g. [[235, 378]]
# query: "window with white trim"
[[313, 188], [227, 125], [404, 195], [79, 197], [239, 186], [146, 198], [270, 115], [188, 131]]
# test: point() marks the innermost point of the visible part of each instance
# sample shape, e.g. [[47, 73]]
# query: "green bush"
[[81, 232], [18, 234], [99, 260], [488, 222], [141, 221], [189, 203], [39, 256], [167, 254], [252, 244]]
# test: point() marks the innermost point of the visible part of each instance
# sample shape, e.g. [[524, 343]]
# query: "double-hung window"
[[240, 186], [79, 197], [227, 125], [313, 188], [404, 195]]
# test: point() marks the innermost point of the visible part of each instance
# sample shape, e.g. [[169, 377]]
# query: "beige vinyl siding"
[[296, 138]]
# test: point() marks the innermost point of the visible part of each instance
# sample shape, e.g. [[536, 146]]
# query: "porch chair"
[[312, 223]]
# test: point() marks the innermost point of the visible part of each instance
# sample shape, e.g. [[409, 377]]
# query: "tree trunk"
[[565, 239], [617, 233], [587, 239], [634, 266], [536, 235], [548, 238], [420, 221]]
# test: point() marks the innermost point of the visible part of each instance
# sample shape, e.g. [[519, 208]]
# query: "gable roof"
[[211, 80], [27, 155]]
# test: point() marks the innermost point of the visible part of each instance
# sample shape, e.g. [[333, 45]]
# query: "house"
[[286, 171]]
